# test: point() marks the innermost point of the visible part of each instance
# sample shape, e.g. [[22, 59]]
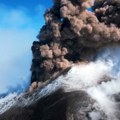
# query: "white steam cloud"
[[100, 79]]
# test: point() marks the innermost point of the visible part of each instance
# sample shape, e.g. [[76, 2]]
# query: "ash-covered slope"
[[72, 34]]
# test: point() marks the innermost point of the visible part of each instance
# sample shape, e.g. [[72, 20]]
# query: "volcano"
[[75, 71]]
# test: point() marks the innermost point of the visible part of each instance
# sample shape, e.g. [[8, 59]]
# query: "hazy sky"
[[20, 22]]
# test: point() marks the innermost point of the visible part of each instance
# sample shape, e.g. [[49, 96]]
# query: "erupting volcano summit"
[[75, 71]]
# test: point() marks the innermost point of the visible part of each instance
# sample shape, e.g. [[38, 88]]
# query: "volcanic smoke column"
[[72, 34]]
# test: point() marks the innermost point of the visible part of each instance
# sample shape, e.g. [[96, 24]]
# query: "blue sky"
[[20, 22]]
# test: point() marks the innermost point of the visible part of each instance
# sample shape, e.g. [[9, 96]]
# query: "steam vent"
[[75, 71]]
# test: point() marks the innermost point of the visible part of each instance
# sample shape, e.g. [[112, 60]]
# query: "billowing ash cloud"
[[72, 34]]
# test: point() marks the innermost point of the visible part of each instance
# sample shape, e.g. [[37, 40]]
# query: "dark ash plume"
[[72, 34]]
